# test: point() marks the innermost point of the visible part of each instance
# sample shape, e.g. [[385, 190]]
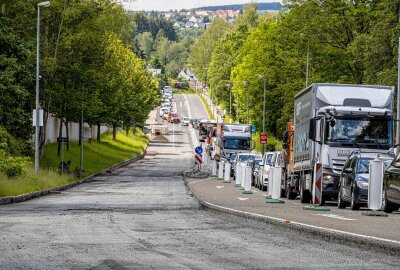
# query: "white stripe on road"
[[187, 106], [283, 221], [243, 199], [334, 216], [198, 181], [219, 186]]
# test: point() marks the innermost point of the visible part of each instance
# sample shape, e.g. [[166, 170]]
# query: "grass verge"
[[210, 115], [96, 157]]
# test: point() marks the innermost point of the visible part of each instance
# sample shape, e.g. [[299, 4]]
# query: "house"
[[186, 75], [195, 19]]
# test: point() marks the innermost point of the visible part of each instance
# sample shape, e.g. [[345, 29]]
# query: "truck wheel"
[[290, 194], [305, 196]]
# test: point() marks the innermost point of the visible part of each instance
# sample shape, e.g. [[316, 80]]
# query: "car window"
[[363, 165], [268, 159]]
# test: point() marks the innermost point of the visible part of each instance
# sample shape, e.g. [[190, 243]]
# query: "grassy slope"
[[97, 156], [210, 115]]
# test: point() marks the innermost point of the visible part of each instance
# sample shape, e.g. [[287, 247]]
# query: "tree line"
[[352, 42], [87, 66]]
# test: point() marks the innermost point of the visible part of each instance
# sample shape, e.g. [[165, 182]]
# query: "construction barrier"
[[317, 187], [227, 174], [238, 175], [214, 167], [375, 186], [243, 179], [276, 182], [270, 176], [221, 170], [247, 181]]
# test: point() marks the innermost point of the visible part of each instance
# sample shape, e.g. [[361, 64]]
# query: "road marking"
[[219, 186], [187, 105], [335, 216], [280, 220], [243, 199], [198, 181]]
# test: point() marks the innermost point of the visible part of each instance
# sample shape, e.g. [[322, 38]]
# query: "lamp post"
[[37, 126], [237, 107], [230, 101], [398, 100], [308, 57], [247, 97], [263, 117]]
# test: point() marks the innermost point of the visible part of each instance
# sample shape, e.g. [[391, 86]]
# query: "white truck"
[[232, 139], [330, 122]]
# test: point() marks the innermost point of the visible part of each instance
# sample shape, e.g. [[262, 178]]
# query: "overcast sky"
[[164, 5]]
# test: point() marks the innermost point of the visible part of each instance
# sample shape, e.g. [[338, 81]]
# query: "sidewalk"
[[212, 107], [342, 224]]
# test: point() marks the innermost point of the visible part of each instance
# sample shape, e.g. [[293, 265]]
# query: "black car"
[[254, 163], [354, 180], [391, 187], [231, 160]]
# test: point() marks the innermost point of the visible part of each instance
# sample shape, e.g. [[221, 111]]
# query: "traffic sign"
[[317, 190], [62, 139], [263, 138], [198, 159], [198, 150], [253, 129]]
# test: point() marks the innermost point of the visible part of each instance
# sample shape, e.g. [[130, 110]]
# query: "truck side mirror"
[[314, 133]]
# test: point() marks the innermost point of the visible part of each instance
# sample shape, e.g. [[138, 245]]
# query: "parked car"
[[261, 182], [242, 158], [173, 117], [185, 120], [391, 187], [231, 160], [164, 110], [254, 163], [354, 179]]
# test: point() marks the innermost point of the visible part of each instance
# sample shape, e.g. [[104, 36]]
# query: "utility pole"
[[230, 102], [247, 97], [308, 59], [263, 118], [398, 99], [237, 107]]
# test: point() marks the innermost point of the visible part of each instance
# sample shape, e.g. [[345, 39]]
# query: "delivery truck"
[[232, 139], [331, 121]]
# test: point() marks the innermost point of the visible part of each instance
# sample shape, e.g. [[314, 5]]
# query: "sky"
[[165, 5]]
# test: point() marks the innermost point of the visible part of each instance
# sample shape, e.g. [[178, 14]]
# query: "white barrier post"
[[243, 178], [238, 175], [221, 170], [214, 168], [270, 184], [276, 183], [375, 184], [247, 182], [227, 174]]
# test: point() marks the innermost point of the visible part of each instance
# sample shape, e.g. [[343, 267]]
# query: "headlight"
[[362, 184], [327, 179]]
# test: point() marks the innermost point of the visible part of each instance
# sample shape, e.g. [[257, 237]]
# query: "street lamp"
[[247, 97], [263, 118], [230, 101], [37, 128], [308, 57], [237, 107], [398, 100]]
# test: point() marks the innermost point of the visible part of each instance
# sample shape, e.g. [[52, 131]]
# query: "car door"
[[347, 178], [392, 181]]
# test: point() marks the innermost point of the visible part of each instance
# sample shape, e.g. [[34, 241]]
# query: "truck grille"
[[338, 165]]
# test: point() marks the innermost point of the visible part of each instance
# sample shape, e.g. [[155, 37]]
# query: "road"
[[143, 217]]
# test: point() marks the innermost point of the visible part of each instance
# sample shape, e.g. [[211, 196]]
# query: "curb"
[[36, 194], [342, 237]]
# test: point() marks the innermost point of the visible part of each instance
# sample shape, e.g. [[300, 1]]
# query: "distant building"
[[186, 75], [154, 71]]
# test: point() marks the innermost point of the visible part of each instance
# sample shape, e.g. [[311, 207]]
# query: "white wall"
[[53, 124]]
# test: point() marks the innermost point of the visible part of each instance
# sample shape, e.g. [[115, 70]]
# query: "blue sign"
[[198, 150], [253, 129]]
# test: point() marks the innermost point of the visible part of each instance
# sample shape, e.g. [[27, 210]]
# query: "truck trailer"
[[331, 121]]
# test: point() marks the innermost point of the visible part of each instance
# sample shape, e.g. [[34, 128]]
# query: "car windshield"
[[360, 130], [257, 163], [237, 144], [363, 165], [268, 159], [232, 157]]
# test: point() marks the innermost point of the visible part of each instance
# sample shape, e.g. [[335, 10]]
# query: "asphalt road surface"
[[143, 217]]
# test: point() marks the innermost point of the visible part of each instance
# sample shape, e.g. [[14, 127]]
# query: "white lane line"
[[198, 181], [334, 216], [280, 220], [243, 199], [219, 186], [187, 106]]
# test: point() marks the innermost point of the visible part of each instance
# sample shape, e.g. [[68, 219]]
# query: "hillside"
[[261, 6]]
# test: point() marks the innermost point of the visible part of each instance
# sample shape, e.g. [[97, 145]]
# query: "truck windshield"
[[363, 130], [237, 144]]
